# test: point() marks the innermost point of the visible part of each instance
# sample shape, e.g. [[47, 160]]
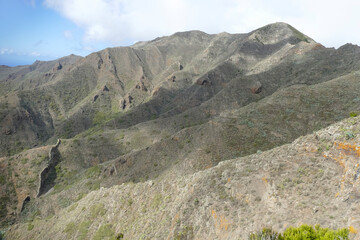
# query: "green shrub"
[[39, 160], [304, 232], [157, 200], [83, 230], [353, 114], [100, 117], [70, 229], [29, 227], [187, 232], [2, 180], [72, 208], [119, 236], [105, 232], [97, 210], [3, 206], [317, 233], [349, 135], [265, 234], [93, 172]]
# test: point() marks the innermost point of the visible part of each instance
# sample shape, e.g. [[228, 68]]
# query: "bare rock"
[[57, 67], [123, 104], [48, 175], [172, 79], [156, 91], [100, 63], [105, 89], [203, 82], [256, 87], [7, 131], [129, 98], [141, 86], [25, 202]]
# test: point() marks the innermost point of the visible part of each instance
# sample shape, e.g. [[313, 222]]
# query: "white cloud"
[[8, 51], [4, 51], [122, 21], [35, 54]]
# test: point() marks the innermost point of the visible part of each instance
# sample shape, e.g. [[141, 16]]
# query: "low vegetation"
[[205, 154], [304, 232]]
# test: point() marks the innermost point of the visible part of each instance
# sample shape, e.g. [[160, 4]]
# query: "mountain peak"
[[279, 31]]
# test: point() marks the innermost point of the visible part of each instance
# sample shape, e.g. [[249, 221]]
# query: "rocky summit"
[[188, 136]]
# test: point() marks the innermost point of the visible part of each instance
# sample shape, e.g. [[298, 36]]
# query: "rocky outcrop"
[[26, 201], [203, 82], [124, 103], [141, 86], [172, 79], [7, 131], [57, 67], [255, 87], [100, 63], [129, 99], [105, 89], [48, 174]]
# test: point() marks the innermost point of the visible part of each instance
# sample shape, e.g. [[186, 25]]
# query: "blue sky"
[[31, 31], [48, 29]]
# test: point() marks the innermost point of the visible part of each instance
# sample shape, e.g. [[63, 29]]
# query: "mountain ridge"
[[161, 110]]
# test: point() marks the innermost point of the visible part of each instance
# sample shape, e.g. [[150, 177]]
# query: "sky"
[[33, 30]]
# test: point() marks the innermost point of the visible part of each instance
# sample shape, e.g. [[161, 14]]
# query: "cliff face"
[[148, 125]]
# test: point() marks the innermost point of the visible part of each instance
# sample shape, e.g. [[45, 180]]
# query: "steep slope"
[[65, 100], [152, 150], [301, 182], [32, 76], [161, 110]]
